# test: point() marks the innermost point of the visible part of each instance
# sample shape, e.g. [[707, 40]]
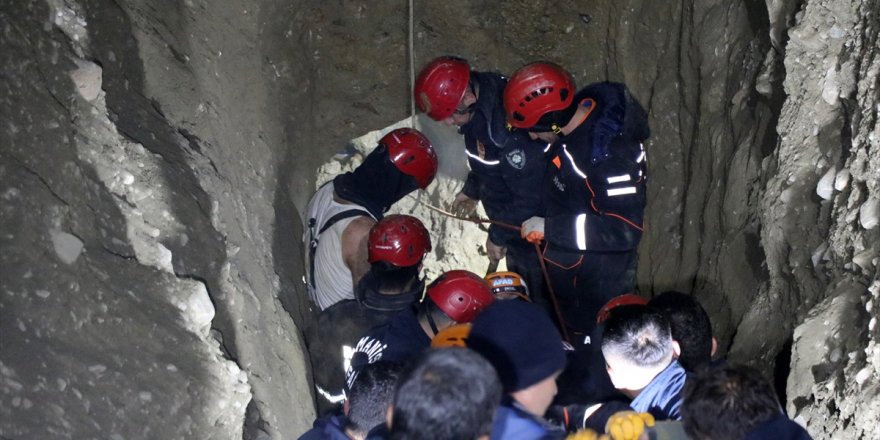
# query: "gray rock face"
[[140, 298], [155, 155]]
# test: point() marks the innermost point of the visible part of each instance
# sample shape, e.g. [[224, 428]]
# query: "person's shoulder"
[[326, 428], [513, 423], [779, 428]]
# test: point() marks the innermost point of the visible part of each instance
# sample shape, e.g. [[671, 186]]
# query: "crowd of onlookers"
[[497, 377]]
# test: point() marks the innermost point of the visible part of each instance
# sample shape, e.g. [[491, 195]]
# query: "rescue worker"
[[594, 188], [455, 297], [341, 212], [505, 167], [396, 247]]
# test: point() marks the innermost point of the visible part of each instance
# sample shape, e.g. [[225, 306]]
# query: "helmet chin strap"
[[432, 323], [425, 307]]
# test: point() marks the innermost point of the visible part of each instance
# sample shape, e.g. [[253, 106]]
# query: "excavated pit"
[[156, 156]]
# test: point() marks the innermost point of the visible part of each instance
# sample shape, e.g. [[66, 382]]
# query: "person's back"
[[639, 351], [449, 394], [735, 402]]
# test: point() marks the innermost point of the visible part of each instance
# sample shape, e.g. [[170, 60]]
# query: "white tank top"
[[332, 277]]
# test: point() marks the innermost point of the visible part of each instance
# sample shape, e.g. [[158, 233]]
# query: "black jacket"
[[596, 180], [507, 168], [399, 340], [340, 326]]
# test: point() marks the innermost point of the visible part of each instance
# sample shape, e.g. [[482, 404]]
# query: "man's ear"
[[389, 416], [714, 347], [676, 349]]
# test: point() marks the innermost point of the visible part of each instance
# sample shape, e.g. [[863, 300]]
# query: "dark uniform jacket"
[[327, 428], [595, 183], [333, 338], [399, 340], [507, 168]]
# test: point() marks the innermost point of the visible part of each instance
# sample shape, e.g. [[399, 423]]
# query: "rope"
[[412, 70], [479, 220]]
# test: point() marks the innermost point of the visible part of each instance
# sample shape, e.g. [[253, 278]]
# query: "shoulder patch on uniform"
[[516, 158]]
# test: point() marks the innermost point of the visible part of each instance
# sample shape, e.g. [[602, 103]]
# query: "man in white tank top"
[[341, 213]]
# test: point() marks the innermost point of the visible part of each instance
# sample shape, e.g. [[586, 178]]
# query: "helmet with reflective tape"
[[400, 240], [411, 152], [628, 299], [454, 336], [440, 86], [535, 90], [460, 294], [507, 285]]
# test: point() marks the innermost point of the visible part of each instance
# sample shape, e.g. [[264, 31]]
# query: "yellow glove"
[[587, 434], [628, 425]]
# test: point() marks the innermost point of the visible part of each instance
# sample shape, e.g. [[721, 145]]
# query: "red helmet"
[[412, 154], [462, 295], [400, 240], [627, 299], [535, 90], [441, 85]]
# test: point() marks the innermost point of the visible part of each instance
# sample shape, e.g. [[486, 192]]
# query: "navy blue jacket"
[[595, 185], [399, 340], [662, 397], [779, 428], [327, 428], [507, 168], [333, 428], [512, 422]]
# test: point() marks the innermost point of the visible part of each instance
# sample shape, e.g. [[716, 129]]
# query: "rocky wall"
[[139, 170]]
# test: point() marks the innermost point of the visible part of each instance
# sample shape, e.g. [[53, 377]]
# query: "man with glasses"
[[506, 168]]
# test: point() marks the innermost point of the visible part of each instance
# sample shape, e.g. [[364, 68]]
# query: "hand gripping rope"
[[478, 220]]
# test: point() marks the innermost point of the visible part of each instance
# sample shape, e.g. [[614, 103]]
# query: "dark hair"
[[448, 394], [371, 395], [690, 326], [637, 334], [391, 278], [726, 402]]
